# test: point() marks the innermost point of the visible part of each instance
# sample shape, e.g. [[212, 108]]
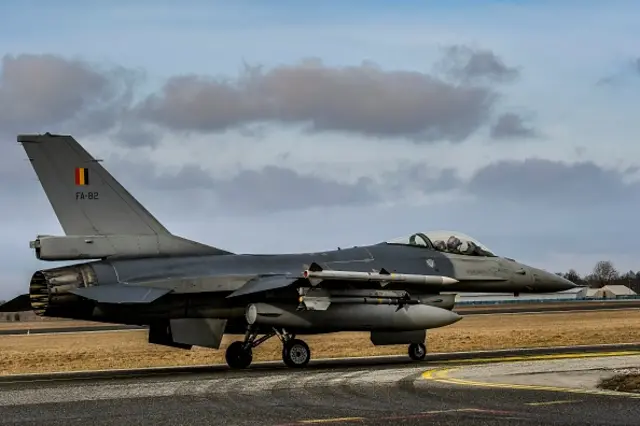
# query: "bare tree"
[[573, 276], [604, 273]]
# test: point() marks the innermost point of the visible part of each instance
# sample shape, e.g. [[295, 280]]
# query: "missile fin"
[[314, 267]]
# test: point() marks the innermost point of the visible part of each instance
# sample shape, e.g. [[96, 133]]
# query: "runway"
[[438, 392], [465, 310]]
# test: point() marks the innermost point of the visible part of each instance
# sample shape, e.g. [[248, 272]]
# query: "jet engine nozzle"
[[49, 290]]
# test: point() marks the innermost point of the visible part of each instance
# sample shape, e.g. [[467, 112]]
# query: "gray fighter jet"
[[134, 271]]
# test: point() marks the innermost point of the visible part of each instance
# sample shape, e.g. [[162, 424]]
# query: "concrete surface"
[[355, 395], [584, 373]]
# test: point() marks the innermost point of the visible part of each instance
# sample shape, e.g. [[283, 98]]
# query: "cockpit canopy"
[[446, 241]]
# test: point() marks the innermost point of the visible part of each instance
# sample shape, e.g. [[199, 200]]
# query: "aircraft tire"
[[417, 351], [237, 356], [296, 353]]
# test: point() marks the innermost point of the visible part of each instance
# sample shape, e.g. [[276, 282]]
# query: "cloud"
[[50, 93], [249, 192], [623, 75], [554, 184], [420, 178], [476, 65], [275, 188], [543, 184], [47, 92], [358, 99], [511, 125]]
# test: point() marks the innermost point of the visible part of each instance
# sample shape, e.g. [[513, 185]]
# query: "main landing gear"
[[295, 352]]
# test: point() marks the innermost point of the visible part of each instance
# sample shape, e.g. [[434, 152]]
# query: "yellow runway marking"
[[517, 358], [536, 404], [441, 375], [334, 420]]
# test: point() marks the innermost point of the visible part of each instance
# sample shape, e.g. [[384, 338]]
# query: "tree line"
[[604, 273]]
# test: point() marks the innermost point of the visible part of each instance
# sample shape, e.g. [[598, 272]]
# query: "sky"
[[271, 127]]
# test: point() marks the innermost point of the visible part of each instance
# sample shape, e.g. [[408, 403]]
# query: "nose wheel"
[[417, 351]]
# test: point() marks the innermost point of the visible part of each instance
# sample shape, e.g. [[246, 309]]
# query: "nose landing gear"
[[417, 351]]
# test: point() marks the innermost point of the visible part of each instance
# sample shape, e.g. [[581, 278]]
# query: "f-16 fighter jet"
[[131, 270]]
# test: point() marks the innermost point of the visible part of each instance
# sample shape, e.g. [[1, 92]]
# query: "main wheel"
[[417, 351], [296, 353], [237, 356]]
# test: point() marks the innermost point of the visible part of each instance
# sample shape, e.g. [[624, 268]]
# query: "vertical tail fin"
[[85, 197]]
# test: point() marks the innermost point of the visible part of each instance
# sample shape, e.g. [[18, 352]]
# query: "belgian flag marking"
[[82, 176]]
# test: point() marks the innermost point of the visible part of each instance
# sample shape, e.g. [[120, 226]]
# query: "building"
[[610, 292], [470, 298]]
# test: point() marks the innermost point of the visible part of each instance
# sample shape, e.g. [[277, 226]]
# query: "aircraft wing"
[[121, 293], [17, 304], [264, 283]]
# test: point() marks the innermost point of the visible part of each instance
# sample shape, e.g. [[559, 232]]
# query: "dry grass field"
[[21, 325], [127, 349]]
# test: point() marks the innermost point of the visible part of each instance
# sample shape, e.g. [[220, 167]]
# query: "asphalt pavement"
[[325, 394], [194, 403]]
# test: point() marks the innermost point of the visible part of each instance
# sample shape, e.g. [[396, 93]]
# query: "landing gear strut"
[[417, 351], [295, 352]]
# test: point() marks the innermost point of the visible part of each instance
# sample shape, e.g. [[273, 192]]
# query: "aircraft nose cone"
[[547, 282]]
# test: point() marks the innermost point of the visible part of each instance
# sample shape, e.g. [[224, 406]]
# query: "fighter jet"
[[129, 269]]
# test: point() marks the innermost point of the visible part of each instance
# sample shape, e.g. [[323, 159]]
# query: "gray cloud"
[[275, 188], [269, 189], [134, 135], [553, 184], [511, 125], [46, 92], [361, 99], [49, 93], [534, 182], [477, 65], [420, 178]]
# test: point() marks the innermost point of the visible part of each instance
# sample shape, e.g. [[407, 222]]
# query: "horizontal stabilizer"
[[264, 283], [17, 304], [120, 293]]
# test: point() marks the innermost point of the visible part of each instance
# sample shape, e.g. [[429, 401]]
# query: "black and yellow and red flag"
[[82, 176]]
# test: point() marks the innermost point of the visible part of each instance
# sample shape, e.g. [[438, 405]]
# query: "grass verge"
[[622, 383]]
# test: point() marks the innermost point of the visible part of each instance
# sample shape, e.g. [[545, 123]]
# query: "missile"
[[383, 276], [323, 303]]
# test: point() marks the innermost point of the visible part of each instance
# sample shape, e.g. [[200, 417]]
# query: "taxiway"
[[449, 390]]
